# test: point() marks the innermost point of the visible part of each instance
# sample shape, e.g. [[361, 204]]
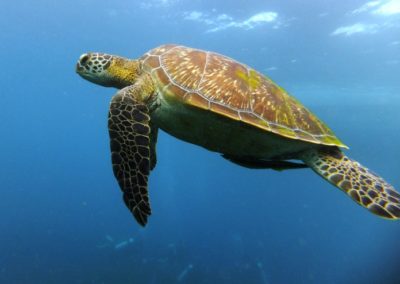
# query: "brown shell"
[[219, 84]]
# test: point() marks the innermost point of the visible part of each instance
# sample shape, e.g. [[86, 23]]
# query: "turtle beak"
[[78, 68], [83, 59]]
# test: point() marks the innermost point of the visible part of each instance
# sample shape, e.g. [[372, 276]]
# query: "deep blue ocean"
[[62, 218]]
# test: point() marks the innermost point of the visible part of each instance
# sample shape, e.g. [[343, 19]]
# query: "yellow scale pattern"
[[362, 185], [214, 82]]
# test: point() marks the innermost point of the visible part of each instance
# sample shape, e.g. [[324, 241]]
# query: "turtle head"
[[108, 70]]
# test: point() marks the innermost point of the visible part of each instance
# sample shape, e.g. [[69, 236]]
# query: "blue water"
[[62, 219]]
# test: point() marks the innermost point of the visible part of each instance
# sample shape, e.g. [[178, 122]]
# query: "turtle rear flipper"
[[362, 185], [252, 163]]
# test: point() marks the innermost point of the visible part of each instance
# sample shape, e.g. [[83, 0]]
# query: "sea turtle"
[[224, 106]]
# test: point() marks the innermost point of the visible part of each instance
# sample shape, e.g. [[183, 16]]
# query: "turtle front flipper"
[[362, 185], [132, 150]]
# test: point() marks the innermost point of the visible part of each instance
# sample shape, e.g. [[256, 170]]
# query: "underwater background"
[[62, 218]]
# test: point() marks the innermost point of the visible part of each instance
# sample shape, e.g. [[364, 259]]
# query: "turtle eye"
[[84, 58]]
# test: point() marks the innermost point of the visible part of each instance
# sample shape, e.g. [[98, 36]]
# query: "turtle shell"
[[216, 83]]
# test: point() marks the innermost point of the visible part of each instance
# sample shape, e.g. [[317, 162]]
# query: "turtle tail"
[[362, 185]]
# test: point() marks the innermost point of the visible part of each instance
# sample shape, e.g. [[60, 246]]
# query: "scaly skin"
[[131, 149], [108, 70], [363, 186]]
